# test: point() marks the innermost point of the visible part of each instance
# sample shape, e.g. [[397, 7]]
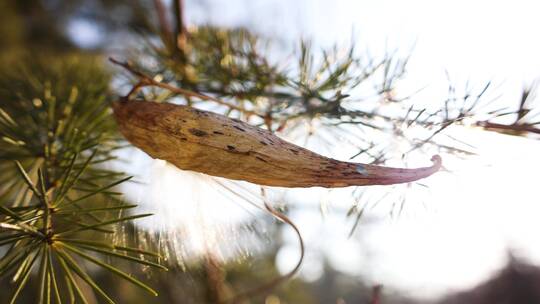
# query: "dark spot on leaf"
[[175, 130], [231, 148], [238, 128], [262, 142], [197, 132], [217, 132]]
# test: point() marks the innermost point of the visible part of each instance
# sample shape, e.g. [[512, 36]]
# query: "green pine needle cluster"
[[59, 211], [234, 64]]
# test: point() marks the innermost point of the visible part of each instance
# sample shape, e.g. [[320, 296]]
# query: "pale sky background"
[[471, 217]]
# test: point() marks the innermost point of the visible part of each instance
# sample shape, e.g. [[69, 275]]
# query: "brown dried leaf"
[[214, 144]]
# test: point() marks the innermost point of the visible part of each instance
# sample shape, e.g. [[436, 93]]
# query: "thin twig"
[[274, 283], [513, 127], [283, 218], [145, 80]]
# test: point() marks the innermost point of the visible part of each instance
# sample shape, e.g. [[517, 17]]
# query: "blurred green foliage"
[[57, 209]]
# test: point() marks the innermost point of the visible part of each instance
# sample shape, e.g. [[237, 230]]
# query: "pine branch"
[[145, 80], [67, 135]]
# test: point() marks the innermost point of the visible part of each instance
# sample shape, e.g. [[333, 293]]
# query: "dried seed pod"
[[214, 144]]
